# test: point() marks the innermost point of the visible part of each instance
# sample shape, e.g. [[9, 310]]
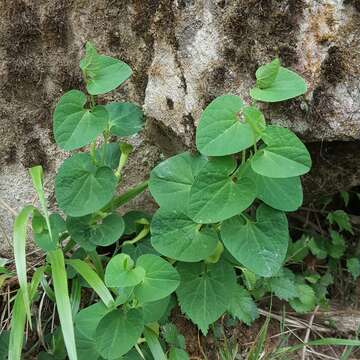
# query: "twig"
[[307, 335]]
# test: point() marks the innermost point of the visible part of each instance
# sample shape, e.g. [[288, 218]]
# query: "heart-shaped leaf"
[[171, 180], [203, 291], [82, 188], [286, 85], [87, 320], [74, 125], [85, 348], [259, 245], [90, 234], [153, 311], [266, 74], [161, 279], [280, 193], [118, 332], [108, 155], [175, 235], [284, 156], [102, 73], [120, 272], [218, 193], [220, 131], [125, 118]]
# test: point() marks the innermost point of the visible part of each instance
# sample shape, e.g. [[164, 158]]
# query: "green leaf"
[[345, 196], [154, 344], [298, 250], [74, 125], [171, 180], [118, 331], [283, 287], [82, 188], [93, 279], [178, 354], [125, 118], [102, 73], [255, 118], [41, 233], [120, 272], [90, 234], [306, 300], [284, 156], [260, 245], [341, 218], [203, 291], [87, 320], [86, 347], [153, 311], [62, 301], [286, 85], [4, 344], [172, 336], [134, 221], [161, 279], [141, 248], [284, 194], [241, 305], [218, 193], [109, 155], [19, 236], [220, 131], [353, 266], [175, 235], [318, 247], [266, 74], [337, 246]]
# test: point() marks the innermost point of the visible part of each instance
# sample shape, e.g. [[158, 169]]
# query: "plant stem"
[[141, 235], [122, 199], [126, 149]]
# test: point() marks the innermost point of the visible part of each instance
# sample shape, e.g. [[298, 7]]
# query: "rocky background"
[[184, 53]]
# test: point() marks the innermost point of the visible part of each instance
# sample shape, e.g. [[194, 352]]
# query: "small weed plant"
[[219, 238]]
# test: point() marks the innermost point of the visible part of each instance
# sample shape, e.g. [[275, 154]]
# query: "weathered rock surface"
[[184, 53]]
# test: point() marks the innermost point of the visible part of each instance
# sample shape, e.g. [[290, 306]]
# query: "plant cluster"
[[219, 237]]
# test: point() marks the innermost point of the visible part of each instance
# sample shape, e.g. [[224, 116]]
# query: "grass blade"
[[63, 301], [93, 279], [18, 320], [75, 296], [154, 344], [19, 235]]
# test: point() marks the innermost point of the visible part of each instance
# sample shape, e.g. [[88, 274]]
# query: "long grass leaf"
[[18, 320], [75, 296], [36, 173], [154, 344], [63, 301], [93, 279], [19, 235]]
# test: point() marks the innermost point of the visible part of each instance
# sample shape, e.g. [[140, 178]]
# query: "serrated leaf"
[[172, 336], [108, 155], [74, 125], [203, 292], [318, 247], [298, 250], [175, 235], [88, 234], [260, 245], [102, 73], [82, 188], [160, 280], [337, 247], [117, 332], [241, 305], [266, 74], [283, 287], [220, 131], [125, 119], [341, 218], [283, 156], [120, 272], [218, 193], [353, 266], [171, 180], [284, 194], [286, 85], [306, 299]]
